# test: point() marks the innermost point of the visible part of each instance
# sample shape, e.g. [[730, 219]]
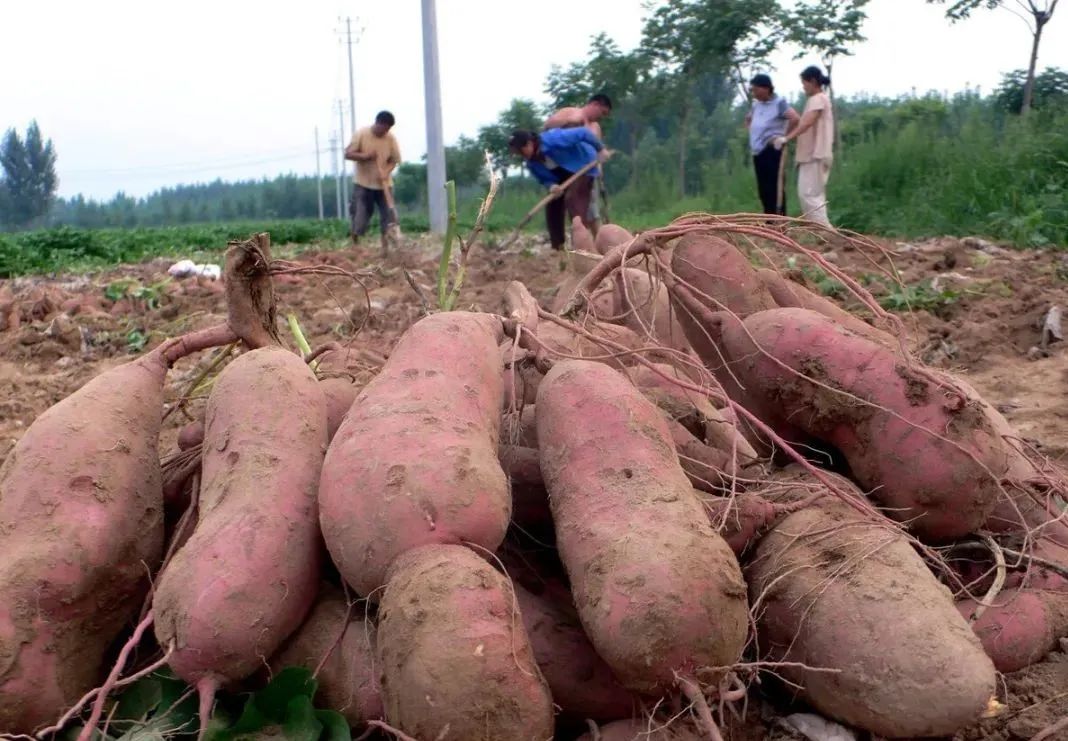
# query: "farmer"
[[552, 157], [599, 106], [769, 118], [815, 143], [376, 154]]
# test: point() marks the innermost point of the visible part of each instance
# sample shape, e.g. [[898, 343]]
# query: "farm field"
[[969, 306]]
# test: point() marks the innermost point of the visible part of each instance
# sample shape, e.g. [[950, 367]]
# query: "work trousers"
[[574, 202], [362, 207], [766, 164], [812, 190]]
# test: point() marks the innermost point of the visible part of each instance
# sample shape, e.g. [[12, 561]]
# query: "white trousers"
[[812, 190]]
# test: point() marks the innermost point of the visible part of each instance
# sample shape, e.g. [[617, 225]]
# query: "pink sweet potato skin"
[[833, 591], [81, 514], [254, 557], [415, 461], [944, 489], [787, 294], [609, 236], [581, 683], [722, 273], [1021, 627], [454, 654], [530, 501], [347, 683], [191, 435], [657, 590], [340, 392]]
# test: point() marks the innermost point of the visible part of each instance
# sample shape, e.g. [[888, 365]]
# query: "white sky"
[[138, 95]]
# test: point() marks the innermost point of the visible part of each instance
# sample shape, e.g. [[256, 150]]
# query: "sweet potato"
[[742, 519], [347, 683], [933, 459], [581, 683], [659, 593], [81, 513], [530, 501], [692, 410], [415, 460], [339, 392], [709, 470], [788, 294], [520, 429], [720, 275], [561, 342], [644, 730], [835, 592], [581, 237], [248, 575], [191, 435], [454, 654], [610, 235], [1021, 627], [81, 507]]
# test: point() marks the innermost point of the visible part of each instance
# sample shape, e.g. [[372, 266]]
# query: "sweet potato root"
[[609, 235], [720, 275], [81, 507], [454, 654], [415, 461], [264, 441], [643, 730], [343, 643], [1021, 627], [666, 598], [853, 600], [581, 683], [788, 294], [81, 512], [932, 458]]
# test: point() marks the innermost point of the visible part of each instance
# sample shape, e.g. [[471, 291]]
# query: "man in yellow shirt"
[[376, 154], [815, 144]]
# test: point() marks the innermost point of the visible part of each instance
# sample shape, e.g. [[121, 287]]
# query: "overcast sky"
[[138, 95]]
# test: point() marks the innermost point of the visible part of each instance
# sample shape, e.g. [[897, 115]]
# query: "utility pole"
[[341, 146], [435, 140], [318, 174], [352, 87], [337, 172]]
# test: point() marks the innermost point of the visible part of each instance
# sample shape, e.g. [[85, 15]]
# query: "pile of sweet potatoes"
[[608, 524]]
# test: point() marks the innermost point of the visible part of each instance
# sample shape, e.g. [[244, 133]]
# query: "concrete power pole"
[[337, 172], [352, 87], [435, 141], [318, 174], [341, 147]]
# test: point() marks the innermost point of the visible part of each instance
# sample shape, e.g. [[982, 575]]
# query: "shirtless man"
[[589, 115]]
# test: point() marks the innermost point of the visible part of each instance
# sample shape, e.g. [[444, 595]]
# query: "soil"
[[986, 326]]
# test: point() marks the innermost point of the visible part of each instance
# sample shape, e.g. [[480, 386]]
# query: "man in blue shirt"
[[770, 117], [552, 157]]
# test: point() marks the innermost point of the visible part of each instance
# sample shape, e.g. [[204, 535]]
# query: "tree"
[[1035, 14], [1051, 87], [688, 39], [28, 185], [827, 27], [520, 114]]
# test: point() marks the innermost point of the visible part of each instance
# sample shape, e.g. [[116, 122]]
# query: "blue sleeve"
[[573, 136], [541, 173]]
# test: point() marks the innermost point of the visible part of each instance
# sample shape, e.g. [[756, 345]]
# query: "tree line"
[[679, 96]]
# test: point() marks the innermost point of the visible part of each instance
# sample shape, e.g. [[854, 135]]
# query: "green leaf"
[[140, 699], [289, 683], [335, 727], [301, 723]]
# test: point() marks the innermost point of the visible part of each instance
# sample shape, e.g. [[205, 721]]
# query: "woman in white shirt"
[[815, 144]]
